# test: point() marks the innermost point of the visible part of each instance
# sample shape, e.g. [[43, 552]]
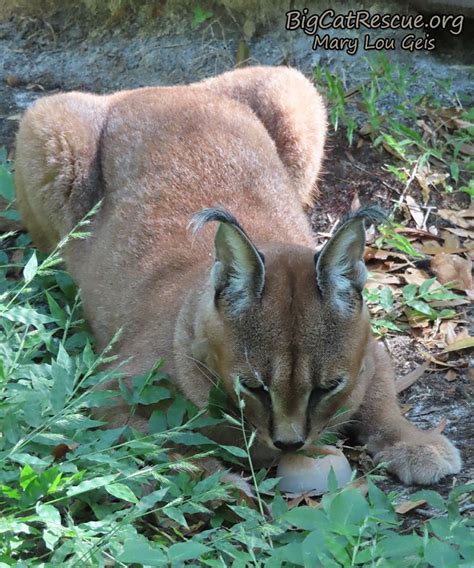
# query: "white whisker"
[[256, 374], [300, 437]]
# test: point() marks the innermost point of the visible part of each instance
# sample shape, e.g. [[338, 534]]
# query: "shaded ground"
[[35, 64]]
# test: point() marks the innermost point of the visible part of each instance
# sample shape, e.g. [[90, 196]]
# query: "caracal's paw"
[[421, 463]]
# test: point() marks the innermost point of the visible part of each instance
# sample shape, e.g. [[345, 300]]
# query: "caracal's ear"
[[238, 273], [340, 268]]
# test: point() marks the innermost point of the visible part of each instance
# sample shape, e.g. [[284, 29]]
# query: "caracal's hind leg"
[[293, 113], [57, 169]]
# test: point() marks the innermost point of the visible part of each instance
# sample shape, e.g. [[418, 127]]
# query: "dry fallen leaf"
[[463, 218], [377, 278], [425, 127], [415, 276], [451, 268], [416, 212], [420, 233], [436, 178], [425, 190], [243, 54], [451, 375], [370, 235], [416, 320], [380, 254], [389, 148], [463, 343], [393, 266], [295, 502], [452, 337], [433, 247], [59, 452], [449, 303], [447, 329], [366, 129], [306, 498], [462, 123], [452, 364], [311, 502], [407, 380], [460, 232], [407, 506], [450, 240]]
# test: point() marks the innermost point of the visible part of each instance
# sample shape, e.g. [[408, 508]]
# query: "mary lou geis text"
[[311, 24]]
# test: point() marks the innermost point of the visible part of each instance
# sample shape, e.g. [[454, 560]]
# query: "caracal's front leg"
[[415, 456]]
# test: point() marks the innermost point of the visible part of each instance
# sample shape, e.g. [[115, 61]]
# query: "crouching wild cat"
[[244, 300]]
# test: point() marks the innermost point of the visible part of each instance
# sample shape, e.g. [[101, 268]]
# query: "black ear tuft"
[[238, 274], [219, 214], [371, 214]]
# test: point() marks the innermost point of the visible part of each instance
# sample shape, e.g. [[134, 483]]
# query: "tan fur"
[[252, 141]]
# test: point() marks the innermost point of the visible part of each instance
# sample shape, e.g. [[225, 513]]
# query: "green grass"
[[73, 494], [427, 132]]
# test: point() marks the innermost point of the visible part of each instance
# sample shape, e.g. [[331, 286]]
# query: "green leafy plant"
[[391, 239], [417, 129], [469, 188], [200, 15], [414, 302], [337, 97]]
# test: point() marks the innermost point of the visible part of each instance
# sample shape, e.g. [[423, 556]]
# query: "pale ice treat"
[[301, 474]]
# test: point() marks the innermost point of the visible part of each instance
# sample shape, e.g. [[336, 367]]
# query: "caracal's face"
[[295, 358]]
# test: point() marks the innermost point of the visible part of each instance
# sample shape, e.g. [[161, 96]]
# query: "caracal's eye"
[[254, 386], [323, 390], [337, 384]]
